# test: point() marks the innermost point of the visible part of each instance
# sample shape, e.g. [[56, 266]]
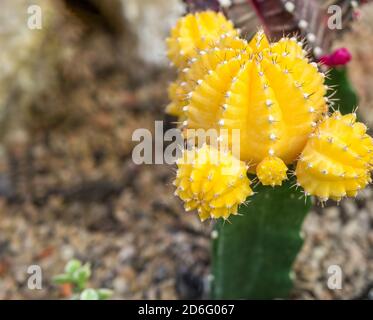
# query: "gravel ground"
[[139, 245], [145, 246]]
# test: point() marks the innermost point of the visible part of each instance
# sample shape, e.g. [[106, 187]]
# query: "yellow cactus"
[[275, 97], [271, 171], [176, 94], [270, 92], [196, 32], [337, 159], [213, 182]]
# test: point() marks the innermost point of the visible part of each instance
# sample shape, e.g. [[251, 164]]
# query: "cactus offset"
[[337, 159], [212, 182], [196, 32], [271, 171], [196, 69]]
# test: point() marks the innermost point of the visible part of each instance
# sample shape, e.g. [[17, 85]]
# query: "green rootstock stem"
[[253, 255], [345, 94]]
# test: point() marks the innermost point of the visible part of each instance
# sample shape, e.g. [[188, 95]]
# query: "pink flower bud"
[[339, 57]]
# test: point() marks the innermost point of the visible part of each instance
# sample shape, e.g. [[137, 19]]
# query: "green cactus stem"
[[253, 255], [345, 94]]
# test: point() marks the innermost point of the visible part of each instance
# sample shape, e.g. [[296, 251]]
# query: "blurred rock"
[[151, 21], [359, 43]]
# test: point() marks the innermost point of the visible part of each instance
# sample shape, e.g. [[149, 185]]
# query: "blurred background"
[[71, 95]]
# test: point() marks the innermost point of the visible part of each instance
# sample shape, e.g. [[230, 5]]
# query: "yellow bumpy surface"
[[196, 69], [270, 92], [275, 97], [196, 32], [271, 171], [215, 183], [337, 159]]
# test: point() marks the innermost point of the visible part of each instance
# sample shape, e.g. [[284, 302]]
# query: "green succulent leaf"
[[75, 296], [72, 266], [254, 253], [62, 278], [89, 294], [82, 275], [104, 294]]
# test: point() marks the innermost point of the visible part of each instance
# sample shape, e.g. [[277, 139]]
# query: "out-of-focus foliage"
[[77, 276]]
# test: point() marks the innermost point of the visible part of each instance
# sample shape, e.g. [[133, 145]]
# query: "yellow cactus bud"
[[196, 32], [213, 182], [270, 92], [337, 159], [271, 171]]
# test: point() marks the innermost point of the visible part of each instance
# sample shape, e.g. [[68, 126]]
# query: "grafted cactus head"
[[269, 92], [274, 96]]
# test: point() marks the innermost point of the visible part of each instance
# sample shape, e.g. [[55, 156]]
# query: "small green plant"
[[77, 276]]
